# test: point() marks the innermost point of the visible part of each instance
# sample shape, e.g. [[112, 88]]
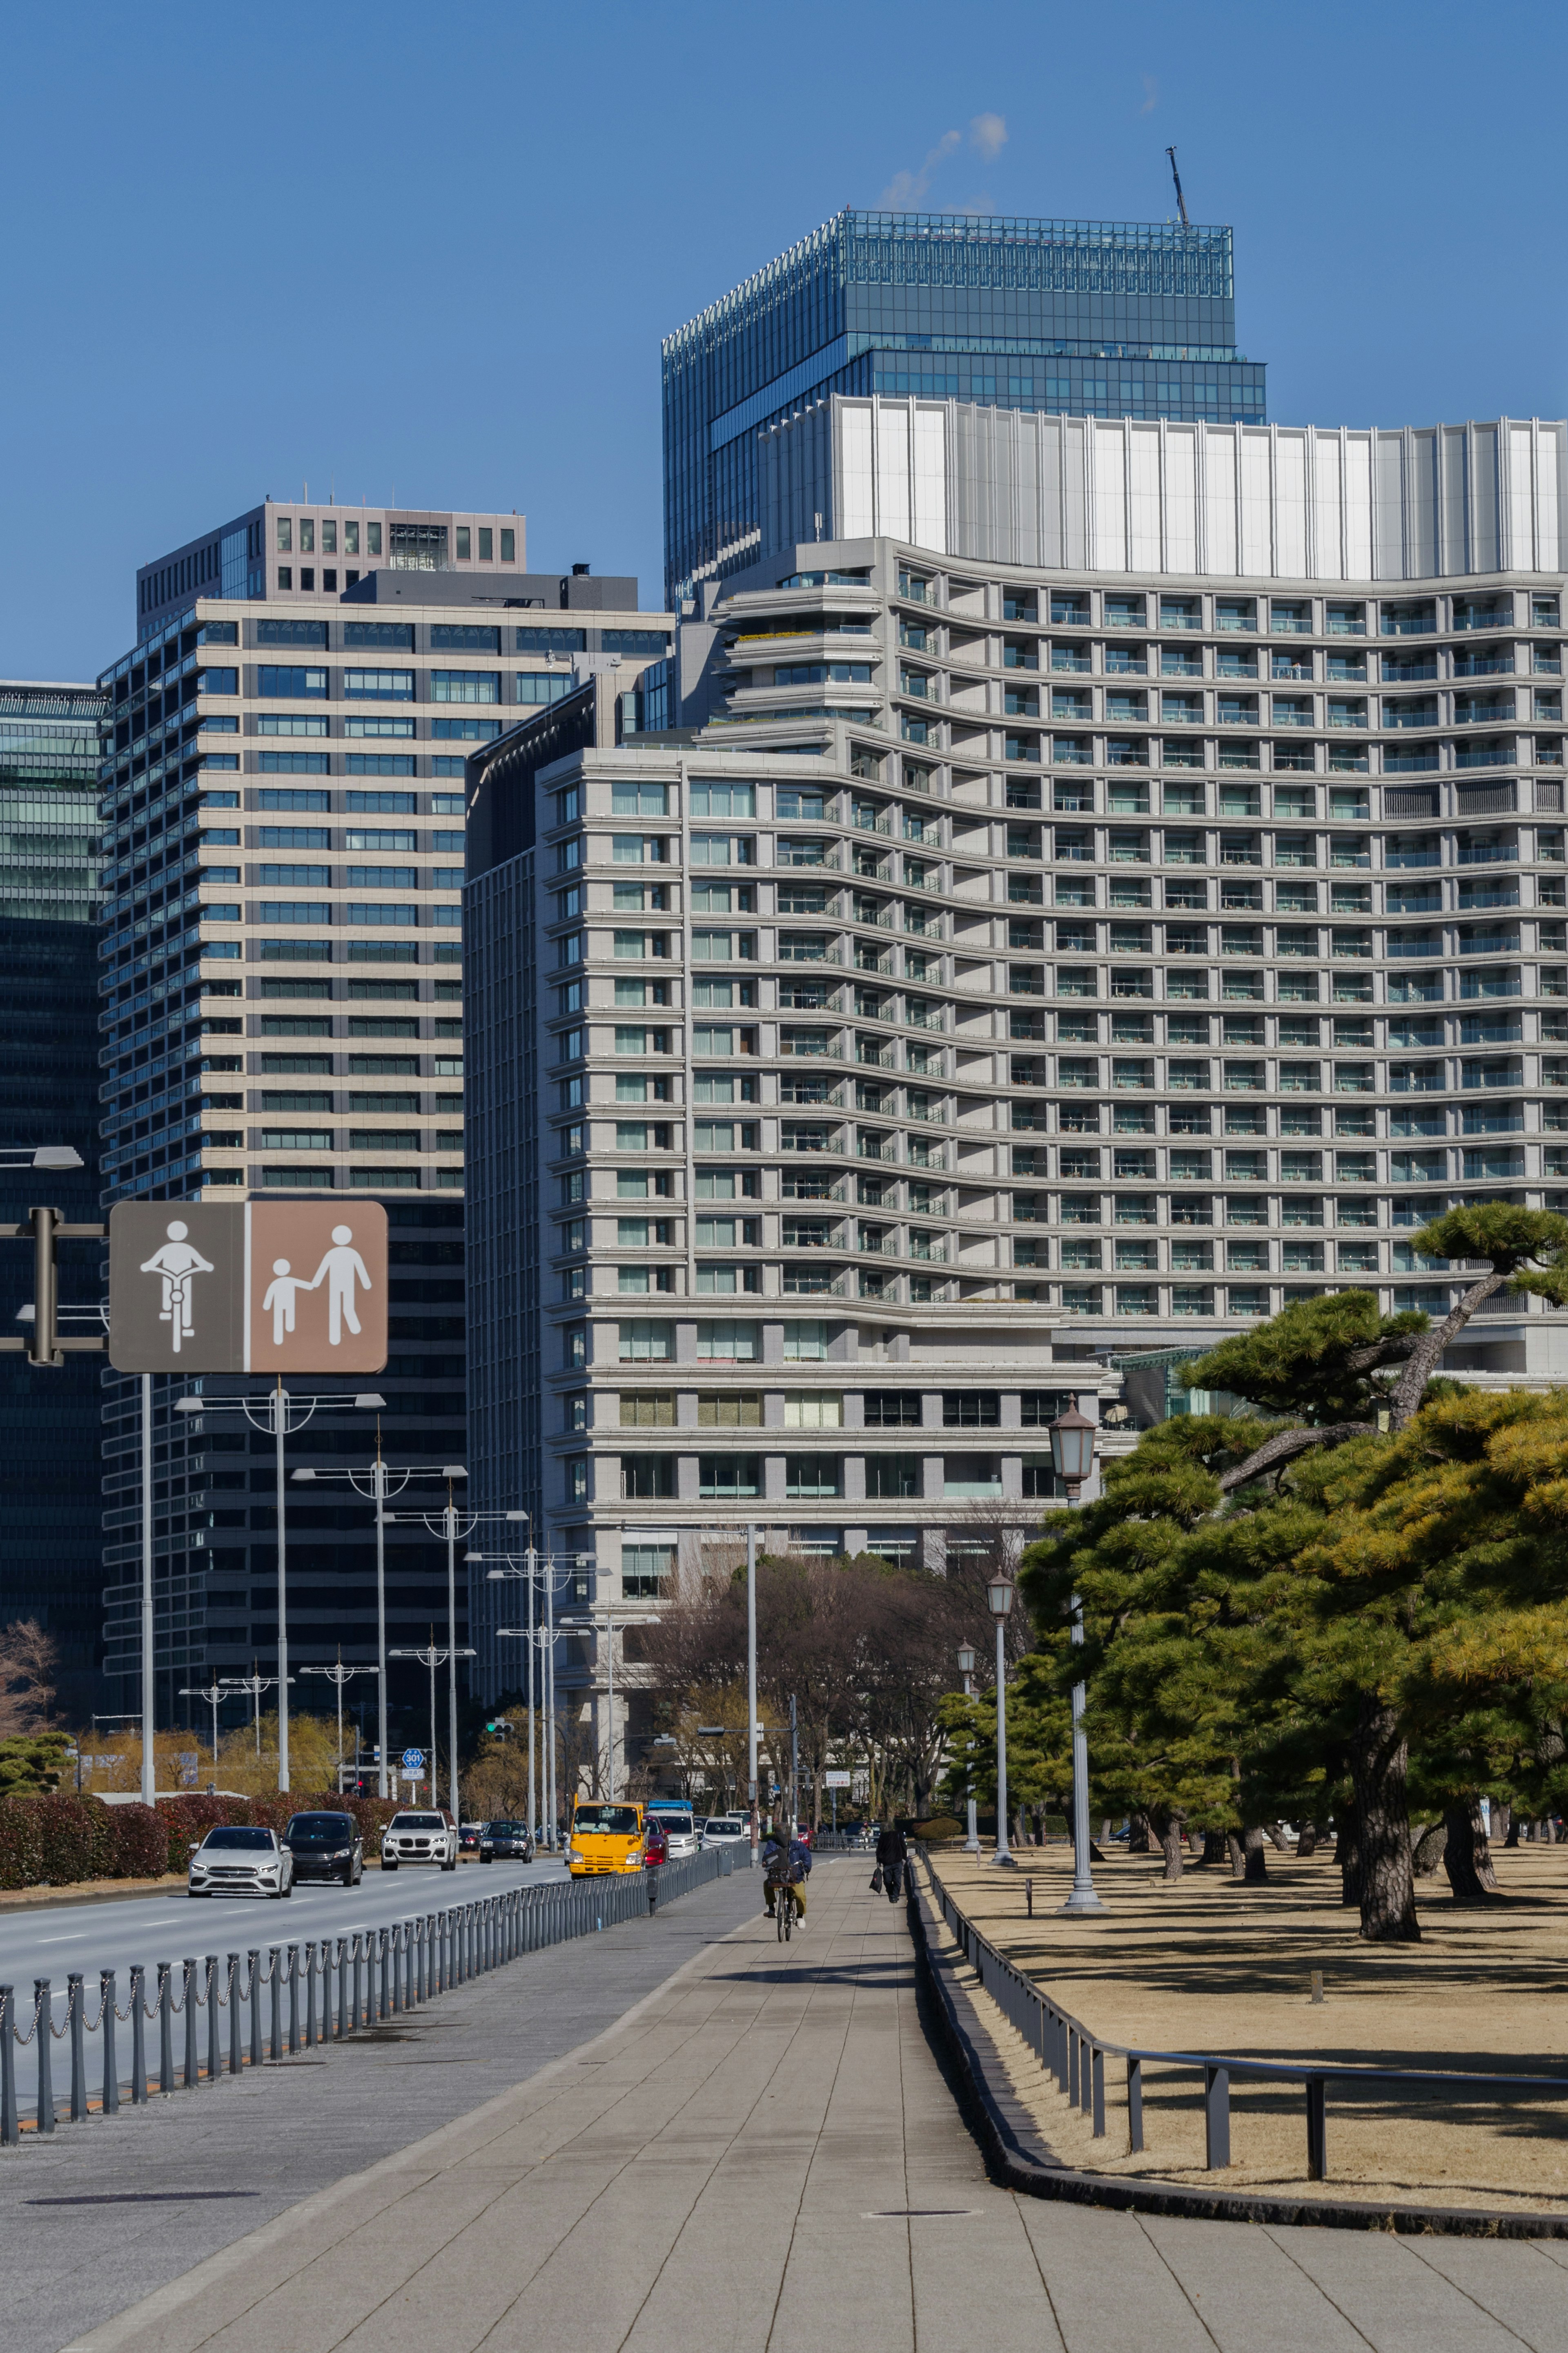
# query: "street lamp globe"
[[1072, 1448], [966, 1659], [999, 1598]]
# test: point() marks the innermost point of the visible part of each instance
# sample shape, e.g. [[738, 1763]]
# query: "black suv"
[[512, 1840], [325, 1846]]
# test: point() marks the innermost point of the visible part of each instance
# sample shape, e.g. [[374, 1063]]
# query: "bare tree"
[[28, 1660]]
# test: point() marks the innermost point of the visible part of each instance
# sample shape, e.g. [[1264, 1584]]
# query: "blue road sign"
[[412, 1758]]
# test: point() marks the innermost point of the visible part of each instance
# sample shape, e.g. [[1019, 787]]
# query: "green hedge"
[[59, 1840]]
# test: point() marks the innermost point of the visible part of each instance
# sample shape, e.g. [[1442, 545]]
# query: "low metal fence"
[[293, 1997], [1075, 2057]]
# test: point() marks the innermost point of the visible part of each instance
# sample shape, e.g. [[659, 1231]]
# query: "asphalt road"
[[114, 1934]]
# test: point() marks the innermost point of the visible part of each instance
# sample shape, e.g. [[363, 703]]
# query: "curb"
[[1019, 2158]]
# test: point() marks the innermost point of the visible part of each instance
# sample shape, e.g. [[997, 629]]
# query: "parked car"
[[419, 1837], [468, 1838], [679, 1828], [238, 1860], [513, 1842], [325, 1846], [725, 1829]]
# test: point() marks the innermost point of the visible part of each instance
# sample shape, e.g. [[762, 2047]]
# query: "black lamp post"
[[1072, 1458]]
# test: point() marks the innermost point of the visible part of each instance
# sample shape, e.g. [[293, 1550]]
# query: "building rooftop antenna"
[[1181, 200]]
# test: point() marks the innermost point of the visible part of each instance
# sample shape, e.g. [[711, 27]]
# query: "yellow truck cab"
[[604, 1837]]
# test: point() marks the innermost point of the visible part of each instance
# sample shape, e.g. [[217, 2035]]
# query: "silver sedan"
[[238, 1860]]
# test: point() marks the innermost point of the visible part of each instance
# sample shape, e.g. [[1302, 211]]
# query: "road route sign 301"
[[247, 1287]]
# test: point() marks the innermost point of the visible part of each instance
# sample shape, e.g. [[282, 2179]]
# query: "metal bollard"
[[193, 2065], [1134, 2106], [10, 2123], [255, 2006], [1317, 2128], [293, 1999], [214, 2023], [44, 2000], [75, 2026], [1097, 2064], [384, 1957], [1216, 2117], [236, 2036], [399, 1955], [310, 1994], [275, 1967], [106, 2027], [342, 1986], [165, 2029], [358, 2019], [138, 2035]]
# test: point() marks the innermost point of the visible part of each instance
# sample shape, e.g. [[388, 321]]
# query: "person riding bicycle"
[[787, 1864], [893, 1856]]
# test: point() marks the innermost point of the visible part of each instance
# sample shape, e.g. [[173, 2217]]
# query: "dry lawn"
[[1211, 1966]]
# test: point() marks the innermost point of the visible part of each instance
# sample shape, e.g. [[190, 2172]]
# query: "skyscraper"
[[282, 1007], [1079, 318], [50, 1565]]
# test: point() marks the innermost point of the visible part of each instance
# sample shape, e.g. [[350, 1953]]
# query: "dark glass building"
[[50, 1567], [1081, 318]]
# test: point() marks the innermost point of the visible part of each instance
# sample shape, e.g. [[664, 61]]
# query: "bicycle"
[[783, 1887]]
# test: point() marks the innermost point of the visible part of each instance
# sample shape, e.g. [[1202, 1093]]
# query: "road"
[[167, 1926]]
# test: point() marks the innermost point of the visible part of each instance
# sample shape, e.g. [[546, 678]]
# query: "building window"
[[971, 1409], [509, 547], [285, 534], [804, 1343], [723, 1475], [465, 686], [808, 1409], [727, 1343], [463, 542], [648, 1478], [892, 1477], [646, 1569], [577, 1478], [644, 1342], [307, 534], [807, 1475], [732, 1409], [285, 575], [648, 1411]]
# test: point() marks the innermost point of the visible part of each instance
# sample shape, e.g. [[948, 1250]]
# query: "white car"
[[419, 1837], [726, 1830], [238, 1860], [679, 1831]]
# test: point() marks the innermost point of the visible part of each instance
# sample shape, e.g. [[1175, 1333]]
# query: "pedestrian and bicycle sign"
[[247, 1287], [413, 1760]]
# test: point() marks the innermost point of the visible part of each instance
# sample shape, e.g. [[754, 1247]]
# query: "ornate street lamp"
[[1072, 1449], [966, 1669], [999, 1598]]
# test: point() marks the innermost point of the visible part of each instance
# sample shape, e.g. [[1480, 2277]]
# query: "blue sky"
[[429, 252]]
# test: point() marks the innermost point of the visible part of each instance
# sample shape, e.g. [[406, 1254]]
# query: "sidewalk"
[[768, 2155]]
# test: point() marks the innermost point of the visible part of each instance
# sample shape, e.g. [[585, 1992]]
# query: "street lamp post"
[[752, 1689], [541, 1652], [215, 1695], [339, 1675], [609, 1626], [286, 1412], [377, 1481], [1072, 1457], [966, 1669], [450, 1524], [255, 1684], [999, 1598], [432, 1657]]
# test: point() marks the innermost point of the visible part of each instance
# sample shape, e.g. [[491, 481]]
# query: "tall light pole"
[[255, 1684], [751, 1688], [215, 1695], [339, 1675], [540, 1642], [1072, 1458], [999, 1598], [609, 1626], [449, 1524], [966, 1669], [377, 1481], [432, 1657], [286, 1411]]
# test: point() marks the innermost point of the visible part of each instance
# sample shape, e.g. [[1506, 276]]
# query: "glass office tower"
[[1082, 318], [48, 1094]]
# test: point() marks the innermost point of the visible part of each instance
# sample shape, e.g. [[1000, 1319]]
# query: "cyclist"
[[892, 1855], [780, 1854]]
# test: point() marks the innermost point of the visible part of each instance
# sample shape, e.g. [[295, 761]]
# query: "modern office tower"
[[1046, 957], [49, 1567], [282, 792], [289, 549], [1081, 318]]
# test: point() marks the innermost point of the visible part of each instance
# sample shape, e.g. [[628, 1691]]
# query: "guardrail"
[[1075, 2056], [321, 1989]]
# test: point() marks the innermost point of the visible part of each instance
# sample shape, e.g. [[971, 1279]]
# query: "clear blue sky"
[[430, 252]]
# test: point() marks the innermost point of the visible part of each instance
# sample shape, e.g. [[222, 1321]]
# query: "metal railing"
[[320, 1989], [1075, 2057]]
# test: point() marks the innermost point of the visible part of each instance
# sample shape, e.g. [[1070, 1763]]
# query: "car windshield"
[[682, 1823], [614, 1822], [417, 1822], [319, 1829], [238, 1837], [508, 1830]]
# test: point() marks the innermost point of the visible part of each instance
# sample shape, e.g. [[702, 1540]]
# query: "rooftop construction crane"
[[1180, 201]]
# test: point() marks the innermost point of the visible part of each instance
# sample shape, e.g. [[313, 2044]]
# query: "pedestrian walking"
[[892, 1855]]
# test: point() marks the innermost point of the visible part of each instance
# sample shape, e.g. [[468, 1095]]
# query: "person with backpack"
[[786, 1861]]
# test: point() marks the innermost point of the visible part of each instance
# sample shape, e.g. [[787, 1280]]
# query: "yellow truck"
[[604, 1837]]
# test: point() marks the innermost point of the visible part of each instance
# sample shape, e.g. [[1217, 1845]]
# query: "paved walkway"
[[767, 2155]]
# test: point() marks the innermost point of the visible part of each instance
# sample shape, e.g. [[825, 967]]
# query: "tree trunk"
[[1380, 1762], [1277, 1837], [1502, 1823], [1307, 1842], [1429, 1848], [1105, 1830], [1466, 1857], [1347, 1853], [1214, 1846], [1171, 1840], [1512, 1838], [1138, 1834], [1252, 1846], [1237, 1855]]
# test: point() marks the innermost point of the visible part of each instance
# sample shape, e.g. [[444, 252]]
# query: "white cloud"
[[907, 188], [988, 133]]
